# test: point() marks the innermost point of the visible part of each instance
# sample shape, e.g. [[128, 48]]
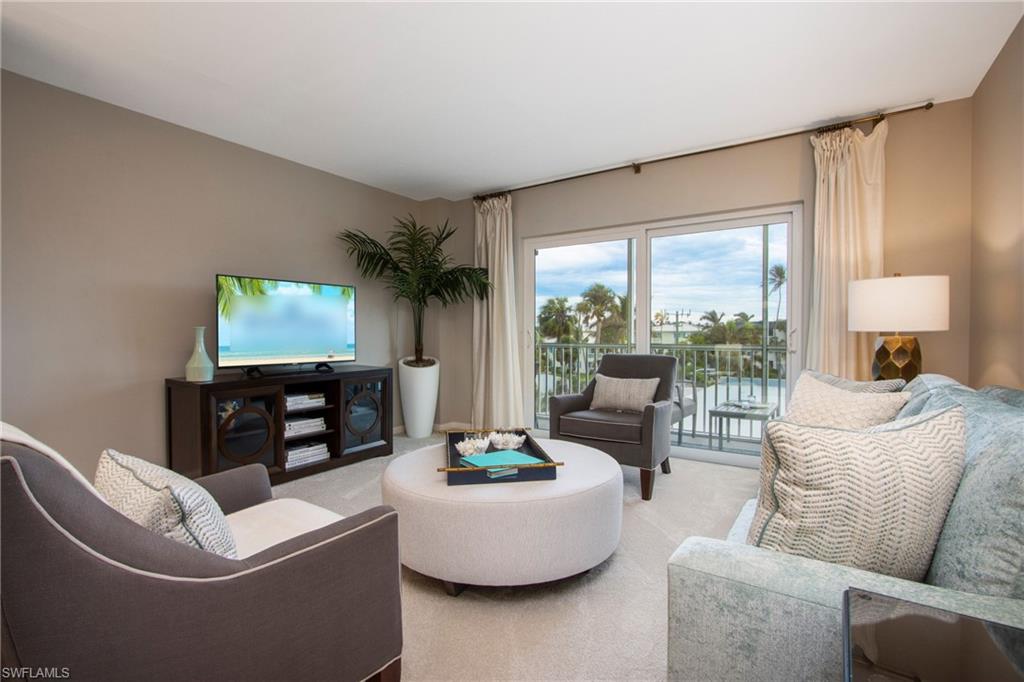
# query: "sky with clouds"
[[696, 272]]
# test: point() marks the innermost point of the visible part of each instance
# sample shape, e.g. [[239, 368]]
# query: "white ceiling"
[[451, 99]]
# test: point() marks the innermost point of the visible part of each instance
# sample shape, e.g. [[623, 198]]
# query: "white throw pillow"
[[165, 502], [816, 403], [624, 395], [874, 499]]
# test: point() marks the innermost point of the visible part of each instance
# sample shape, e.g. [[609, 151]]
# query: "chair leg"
[[679, 433], [646, 484], [392, 672], [666, 468]]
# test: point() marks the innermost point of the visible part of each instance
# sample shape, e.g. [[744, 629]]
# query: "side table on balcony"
[[726, 412]]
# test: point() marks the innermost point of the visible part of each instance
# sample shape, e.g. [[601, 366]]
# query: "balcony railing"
[[715, 374]]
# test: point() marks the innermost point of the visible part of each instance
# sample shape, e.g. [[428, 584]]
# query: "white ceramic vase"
[[199, 366], [419, 396]]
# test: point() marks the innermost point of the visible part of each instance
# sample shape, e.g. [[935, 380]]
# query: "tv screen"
[[280, 322]]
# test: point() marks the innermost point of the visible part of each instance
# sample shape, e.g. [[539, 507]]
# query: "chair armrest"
[[333, 593], [656, 430], [563, 404], [324, 605], [238, 488], [741, 611], [680, 389]]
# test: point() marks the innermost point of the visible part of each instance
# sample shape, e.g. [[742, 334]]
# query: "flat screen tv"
[[263, 322]]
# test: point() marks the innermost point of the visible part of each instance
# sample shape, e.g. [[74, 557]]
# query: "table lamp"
[[892, 305]]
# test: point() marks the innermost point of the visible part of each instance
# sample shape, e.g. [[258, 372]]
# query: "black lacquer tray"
[[468, 475]]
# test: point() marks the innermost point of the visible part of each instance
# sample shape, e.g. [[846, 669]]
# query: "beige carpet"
[[606, 625]]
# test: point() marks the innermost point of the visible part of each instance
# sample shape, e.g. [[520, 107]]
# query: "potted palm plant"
[[416, 269]]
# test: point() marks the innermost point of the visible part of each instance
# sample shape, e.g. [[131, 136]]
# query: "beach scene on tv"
[[277, 322]]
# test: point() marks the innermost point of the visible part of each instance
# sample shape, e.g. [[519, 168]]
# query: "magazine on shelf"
[[295, 464], [307, 449], [297, 426], [301, 400]]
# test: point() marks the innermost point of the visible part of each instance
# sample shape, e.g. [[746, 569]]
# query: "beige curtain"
[[849, 203], [497, 383]]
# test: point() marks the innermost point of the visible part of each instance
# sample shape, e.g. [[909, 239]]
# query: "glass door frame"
[[643, 233]]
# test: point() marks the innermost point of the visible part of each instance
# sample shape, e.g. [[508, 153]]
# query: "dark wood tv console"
[[234, 420]]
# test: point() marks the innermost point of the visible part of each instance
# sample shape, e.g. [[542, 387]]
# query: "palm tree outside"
[[712, 318], [556, 320], [776, 282], [599, 303]]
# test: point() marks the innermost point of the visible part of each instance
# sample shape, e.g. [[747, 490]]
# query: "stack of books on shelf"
[[305, 455], [298, 427], [301, 401]]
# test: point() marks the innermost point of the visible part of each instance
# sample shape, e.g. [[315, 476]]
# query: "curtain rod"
[[637, 166]]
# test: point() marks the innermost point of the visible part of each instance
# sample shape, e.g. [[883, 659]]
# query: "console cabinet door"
[[363, 414], [247, 428]]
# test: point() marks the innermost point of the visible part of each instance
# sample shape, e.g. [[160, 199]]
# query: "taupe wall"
[[114, 225], [997, 246], [928, 203], [450, 331], [928, 219]]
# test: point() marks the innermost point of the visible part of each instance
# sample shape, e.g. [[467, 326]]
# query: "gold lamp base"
[[896, 357]]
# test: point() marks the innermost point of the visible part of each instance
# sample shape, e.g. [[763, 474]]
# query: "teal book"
[[504, 457]]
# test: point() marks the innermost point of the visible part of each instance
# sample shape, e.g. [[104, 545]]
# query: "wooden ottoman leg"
[[666, 468], [453, 589]]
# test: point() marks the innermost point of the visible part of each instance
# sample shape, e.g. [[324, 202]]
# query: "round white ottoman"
[[506, 533]]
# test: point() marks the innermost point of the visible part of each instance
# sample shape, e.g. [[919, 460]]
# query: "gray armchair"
[[87, 589], [686, 406], [637, 439]]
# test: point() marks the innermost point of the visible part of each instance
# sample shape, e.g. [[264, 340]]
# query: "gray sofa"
[[88, 589], [743, 612]]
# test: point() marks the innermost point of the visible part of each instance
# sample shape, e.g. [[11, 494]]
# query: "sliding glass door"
[[584, 300], [719, 302], [722, 296]]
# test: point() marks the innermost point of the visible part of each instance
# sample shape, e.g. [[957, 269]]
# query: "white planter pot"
[[418, 386]]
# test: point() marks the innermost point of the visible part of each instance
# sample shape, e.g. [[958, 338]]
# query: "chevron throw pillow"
[[816, 403], [873, 499], [165, 502]]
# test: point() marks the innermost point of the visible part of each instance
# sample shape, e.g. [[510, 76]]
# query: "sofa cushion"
[[883, 386], [981, 548], [1010, 396], [628, 395], [619, 427], [920, 389], [264, 525], [816, 403], [165, 502], [872, 499]]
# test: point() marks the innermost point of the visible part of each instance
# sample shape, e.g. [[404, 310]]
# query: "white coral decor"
[[506, 441], [472, 446]]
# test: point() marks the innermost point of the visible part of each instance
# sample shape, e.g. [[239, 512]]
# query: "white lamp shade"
[[899, 304]]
